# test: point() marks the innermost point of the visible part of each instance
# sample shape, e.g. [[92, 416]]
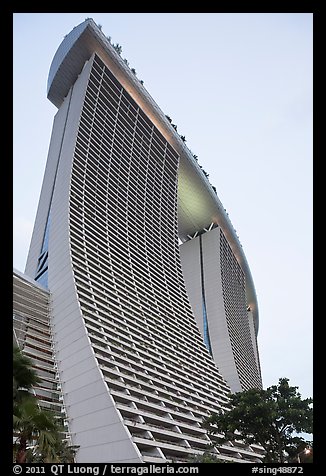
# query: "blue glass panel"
[[205, 320], [43, 279], [45, 246], [205, 328], [42, 266]]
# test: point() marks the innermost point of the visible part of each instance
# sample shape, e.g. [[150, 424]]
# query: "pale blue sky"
[[239, 87]]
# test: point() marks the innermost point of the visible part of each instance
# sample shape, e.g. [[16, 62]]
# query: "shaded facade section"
[[207, 258], [33, 335]]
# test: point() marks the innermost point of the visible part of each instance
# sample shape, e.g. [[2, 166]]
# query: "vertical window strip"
[[205, 320]]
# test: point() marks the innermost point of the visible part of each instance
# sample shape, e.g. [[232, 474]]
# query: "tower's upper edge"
[[198, 204]]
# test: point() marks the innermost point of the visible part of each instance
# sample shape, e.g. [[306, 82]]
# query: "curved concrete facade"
[[198, 204], [137, 377]]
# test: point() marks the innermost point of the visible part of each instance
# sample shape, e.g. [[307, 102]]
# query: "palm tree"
[[33, 427], [24, 376], [65, 453], [38, 435]]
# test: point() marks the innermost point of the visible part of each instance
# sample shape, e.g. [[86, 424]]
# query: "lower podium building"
[[33, 335], [149, 336]]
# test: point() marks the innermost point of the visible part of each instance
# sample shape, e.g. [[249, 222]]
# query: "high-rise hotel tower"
[[152, 305]]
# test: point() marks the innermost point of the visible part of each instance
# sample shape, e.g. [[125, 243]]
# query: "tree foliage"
[[271, 418], [207, 457], [39, 435], [24, 376], [33, 427]]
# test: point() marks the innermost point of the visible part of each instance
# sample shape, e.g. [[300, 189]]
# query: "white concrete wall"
[[218, 331], [190, 261], [46, 190], [94, 422]]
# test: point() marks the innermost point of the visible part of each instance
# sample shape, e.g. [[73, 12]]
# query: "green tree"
[[60, 452], [24, 376], [301, 451], [65, 453], [207, 457], [33, 427], [39, 437], [271, 418]]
